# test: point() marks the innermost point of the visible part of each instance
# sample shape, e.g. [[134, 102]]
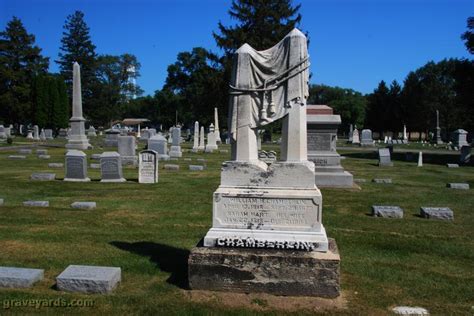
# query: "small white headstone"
[[148, 167]]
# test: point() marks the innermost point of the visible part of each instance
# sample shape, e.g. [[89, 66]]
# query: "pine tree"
[[260, 23], [41, 102], [76, 46], [62, 114], [20, 62]]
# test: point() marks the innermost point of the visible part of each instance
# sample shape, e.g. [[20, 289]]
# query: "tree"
[[113, 87], [20, 62], [76, 46], [378, 102], [468, 36], [349, 104], [260, 23]]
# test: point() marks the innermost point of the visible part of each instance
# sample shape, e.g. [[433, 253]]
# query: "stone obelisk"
[[77, 138], [217, 133], [196, 137], [438, 140], [201, 139]]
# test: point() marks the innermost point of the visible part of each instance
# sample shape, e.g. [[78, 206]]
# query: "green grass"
[[147, 230]]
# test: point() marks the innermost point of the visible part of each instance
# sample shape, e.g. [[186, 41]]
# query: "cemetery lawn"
[[148, 230]]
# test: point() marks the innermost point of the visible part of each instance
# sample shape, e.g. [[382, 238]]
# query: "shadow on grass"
[[167, 258], [432, 158]]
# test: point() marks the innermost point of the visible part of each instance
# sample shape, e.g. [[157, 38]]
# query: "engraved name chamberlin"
[[260, 243]]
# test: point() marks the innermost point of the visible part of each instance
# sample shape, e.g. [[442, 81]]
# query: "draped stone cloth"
[[267, 83]]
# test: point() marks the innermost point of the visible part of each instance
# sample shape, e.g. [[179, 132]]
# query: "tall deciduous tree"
[[468, 36], [20, 62], [77, 46], [378, 102]]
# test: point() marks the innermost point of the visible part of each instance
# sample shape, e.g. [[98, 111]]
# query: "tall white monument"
[[201, 139], [77, 139], [268, 215], [216, 128], [196, 137]]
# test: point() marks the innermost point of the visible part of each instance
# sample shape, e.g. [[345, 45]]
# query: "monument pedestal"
[[274, 271]]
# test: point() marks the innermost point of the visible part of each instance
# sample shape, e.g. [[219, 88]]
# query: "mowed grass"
[[148, 230]]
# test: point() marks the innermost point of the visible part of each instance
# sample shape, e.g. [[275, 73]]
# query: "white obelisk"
[[77, 138], [217, 133], [196, 137], [201, 139]]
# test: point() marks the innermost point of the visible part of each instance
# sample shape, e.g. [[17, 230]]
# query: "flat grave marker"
[[89, 279], [11, 277]]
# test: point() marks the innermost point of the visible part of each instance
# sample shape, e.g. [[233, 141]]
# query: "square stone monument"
[[111, 138], [175, 150], [355, 137], [111, 167], [322, 127], [76, 166], [159, 144], [126, 149], [460, 138], [48, 133], [148, 167], [211, 140], [267, 234]]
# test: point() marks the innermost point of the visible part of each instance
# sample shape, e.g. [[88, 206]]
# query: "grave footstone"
[[148, 167], [95, 165], [111, 167], [11, 277], [410, 311], [41, 151], [171, 167], [76, 166], [452, 165], [24, 151], [441, 213], [44, 157], [16, 157], [384, 158], [36, 203], [84, 205], [95, 156], [126, 149], [196, 168], [43, 176], [55, 165], [89, 279], [387, 211], [459, 186], [382, 180], [359, 180]]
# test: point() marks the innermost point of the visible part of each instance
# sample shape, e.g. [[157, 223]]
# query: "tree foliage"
[[468, 36], [20, 62]]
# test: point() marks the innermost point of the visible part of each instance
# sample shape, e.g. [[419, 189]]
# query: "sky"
[[353, 43]]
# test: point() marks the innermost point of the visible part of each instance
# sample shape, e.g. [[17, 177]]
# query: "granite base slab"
[[279, 272], [334, 180], [89, 279], [19, 277]]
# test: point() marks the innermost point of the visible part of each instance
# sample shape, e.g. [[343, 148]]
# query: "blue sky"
[[354, 43]]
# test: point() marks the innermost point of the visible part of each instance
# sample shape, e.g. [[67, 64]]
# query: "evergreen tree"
[[42, 108], [378, 103], [260, 23], [76, 46], [468, 36], [54, 103], [20, 62], [62, 115]]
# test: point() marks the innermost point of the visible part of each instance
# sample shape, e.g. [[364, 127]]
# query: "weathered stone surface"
[[111, 167], [196, 168], [171, 167], [442, 213], [25, 151], [295, 273], [89, 279], [43, 176], [19, 277], [452, 165], [16, 157], [84, 205], [460, 186], [148, 167], [382, 180], [56, 165], [387, 211], [411, 311], [44, 156], [76, 166], [36, 203], [384, 158]]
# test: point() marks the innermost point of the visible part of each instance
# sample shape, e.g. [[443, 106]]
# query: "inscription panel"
[[110, 168], [148, 167], [75, 167], [263, 213], [319, 141]]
